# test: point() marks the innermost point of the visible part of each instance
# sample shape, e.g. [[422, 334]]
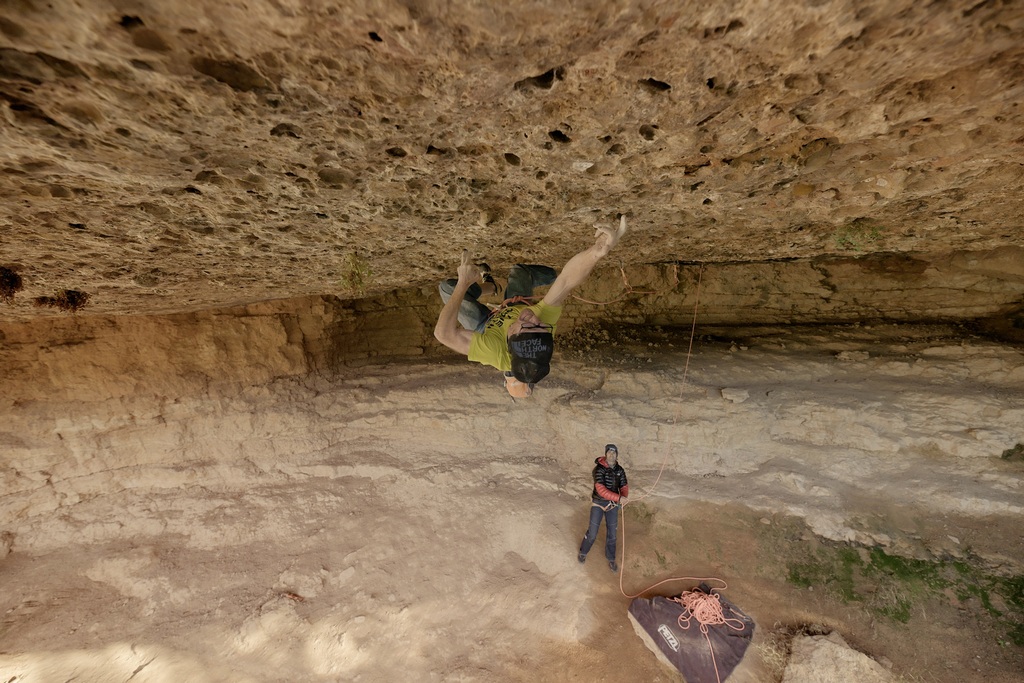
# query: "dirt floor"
[[299, 608]]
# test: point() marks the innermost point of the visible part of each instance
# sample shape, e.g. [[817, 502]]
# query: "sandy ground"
[[409, 523]]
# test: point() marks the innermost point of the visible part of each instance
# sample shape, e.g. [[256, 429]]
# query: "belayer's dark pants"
[[611, 529]]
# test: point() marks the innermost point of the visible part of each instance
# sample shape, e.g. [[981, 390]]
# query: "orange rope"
[[661, 471], [705, 608], [675, 418]]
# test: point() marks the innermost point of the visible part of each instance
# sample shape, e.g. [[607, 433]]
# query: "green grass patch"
[[891, 586], [1015, 454], [857, 235], [1013, 589], [828, 568], [639, 513], [356, 274]]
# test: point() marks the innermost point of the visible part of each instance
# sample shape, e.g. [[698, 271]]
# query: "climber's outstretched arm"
[[579, 266]]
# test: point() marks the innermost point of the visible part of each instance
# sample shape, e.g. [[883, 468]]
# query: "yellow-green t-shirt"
[[490, 347]]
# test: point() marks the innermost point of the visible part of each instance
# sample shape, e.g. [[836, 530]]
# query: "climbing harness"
[[508, 303], [528, 300]]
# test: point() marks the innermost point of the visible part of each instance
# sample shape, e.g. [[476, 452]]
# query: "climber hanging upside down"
[[518, 337]]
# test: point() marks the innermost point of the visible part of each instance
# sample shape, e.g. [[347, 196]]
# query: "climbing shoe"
[[486, 277], [582, 558], [613, 566]]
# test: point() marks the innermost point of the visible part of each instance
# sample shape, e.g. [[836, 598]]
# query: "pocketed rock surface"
[[178, 156]]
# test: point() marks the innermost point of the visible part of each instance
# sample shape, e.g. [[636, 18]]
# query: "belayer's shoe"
[[613, 566], [582, 558]]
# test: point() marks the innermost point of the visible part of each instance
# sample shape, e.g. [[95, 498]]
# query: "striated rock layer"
[[407, 518], [82, 356]]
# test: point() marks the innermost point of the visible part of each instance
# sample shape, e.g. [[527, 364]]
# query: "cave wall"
[[93, 404], [947, 287], [84, 358]]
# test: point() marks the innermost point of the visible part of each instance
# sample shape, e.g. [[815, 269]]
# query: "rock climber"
[[518, 338], [611, 491]]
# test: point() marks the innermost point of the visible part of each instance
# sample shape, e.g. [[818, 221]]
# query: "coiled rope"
[[706, 609]]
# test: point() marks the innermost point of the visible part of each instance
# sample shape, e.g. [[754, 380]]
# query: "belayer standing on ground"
[[517, 338], [610, 492]]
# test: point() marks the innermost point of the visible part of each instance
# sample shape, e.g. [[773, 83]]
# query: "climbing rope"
[[704, 608], [629, 288], [664, 462]]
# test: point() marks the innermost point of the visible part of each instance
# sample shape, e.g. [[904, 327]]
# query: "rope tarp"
[[703, 651]]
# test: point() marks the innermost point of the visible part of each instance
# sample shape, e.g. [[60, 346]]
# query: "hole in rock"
[[11, 29], [69, 300], [10, 284], [655, 85], [544, 81], [236, 74], [285, 129], [719, 31]]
